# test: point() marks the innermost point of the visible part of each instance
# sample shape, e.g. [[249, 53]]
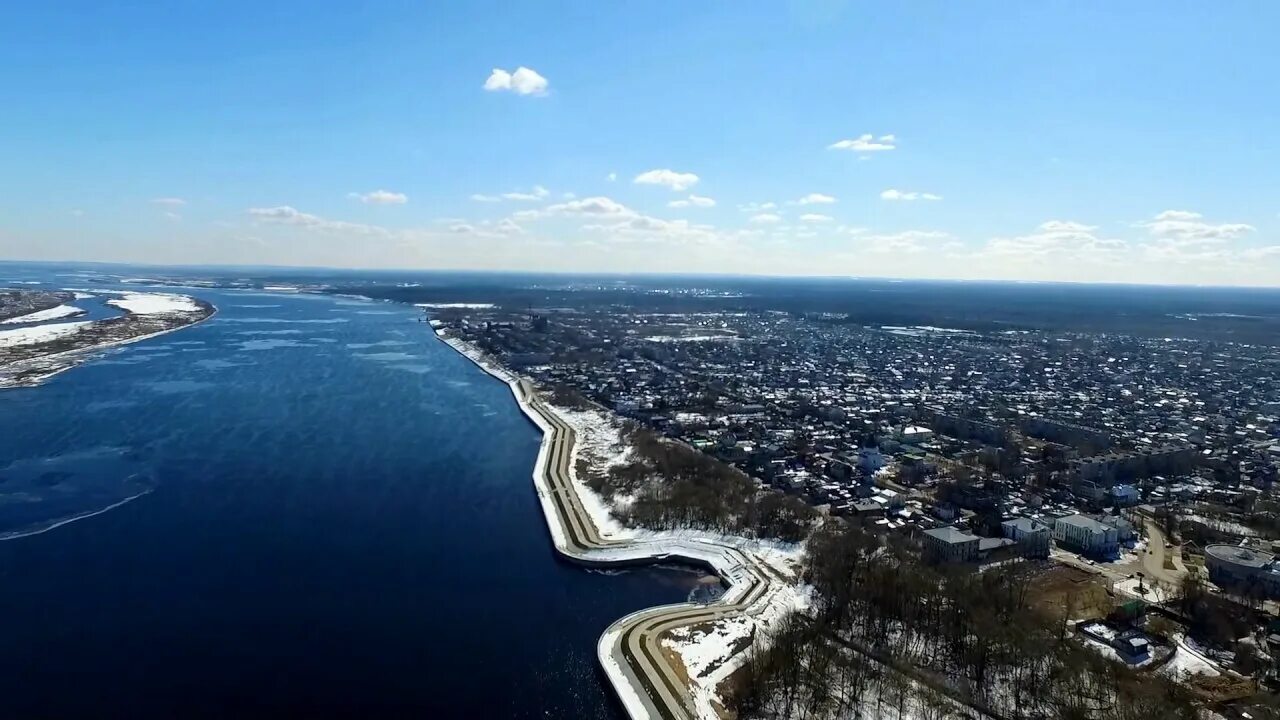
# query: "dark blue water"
[[333, 517]]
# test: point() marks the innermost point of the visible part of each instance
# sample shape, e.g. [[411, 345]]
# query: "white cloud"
[[1187, 228], [380, 197], [816, 199], [758, 207], [866, 143], [1076, 240], [1261, 253], [598, 206], [642, 228], [537, 193], [909, 242], [1183, 237], [815, 218], [169, 201], [521, 82], [284, 214], [504, 228], [1178, 215], [765, 218], [693, 201], [676, 181], [509, 227], [892, 194], [611, 176], [287, 215]]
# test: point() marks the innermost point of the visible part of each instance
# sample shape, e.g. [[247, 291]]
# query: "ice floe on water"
[[42, 493], [176, 387], [281, 321], [380, 343], [220, 364], [272, 344], [456, 306], [416, 369], [385, 356]]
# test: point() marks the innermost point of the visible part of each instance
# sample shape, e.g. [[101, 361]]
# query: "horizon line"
[[644, 274]]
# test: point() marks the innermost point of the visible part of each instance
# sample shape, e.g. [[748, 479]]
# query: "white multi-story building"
[[1032, 537], [1086, 535]]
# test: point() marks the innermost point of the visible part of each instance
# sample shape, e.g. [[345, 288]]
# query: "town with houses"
[[1127, 467]]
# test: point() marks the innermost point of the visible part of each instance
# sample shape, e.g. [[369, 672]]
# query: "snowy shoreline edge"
[[753, 589]]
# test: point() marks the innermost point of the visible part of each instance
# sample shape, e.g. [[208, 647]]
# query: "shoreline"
[[74, 362], [630, 650]]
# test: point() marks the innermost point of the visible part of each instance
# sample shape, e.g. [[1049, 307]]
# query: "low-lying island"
[[32, 353]]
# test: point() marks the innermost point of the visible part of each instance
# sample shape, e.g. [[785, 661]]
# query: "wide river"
[[333, 516]]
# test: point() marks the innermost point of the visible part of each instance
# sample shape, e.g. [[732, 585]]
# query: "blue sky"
[[1132, 142]]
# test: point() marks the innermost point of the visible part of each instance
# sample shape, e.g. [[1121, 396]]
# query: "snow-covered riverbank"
[[761, 576]]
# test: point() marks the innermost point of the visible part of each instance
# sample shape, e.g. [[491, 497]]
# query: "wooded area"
[[671, 485], [976, 634]]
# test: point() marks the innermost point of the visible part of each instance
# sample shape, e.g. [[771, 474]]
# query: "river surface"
[[317, 509]]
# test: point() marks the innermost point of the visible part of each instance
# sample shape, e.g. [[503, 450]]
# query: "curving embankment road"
[[647, 680]]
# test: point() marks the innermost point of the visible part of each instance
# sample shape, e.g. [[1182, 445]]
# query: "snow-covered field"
[[39, 333], [154, 303], [39, 316]]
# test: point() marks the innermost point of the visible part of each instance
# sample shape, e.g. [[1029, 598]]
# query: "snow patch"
[[1186, 662], [704, 648], [39, 334], [53, 313], [154, 303]]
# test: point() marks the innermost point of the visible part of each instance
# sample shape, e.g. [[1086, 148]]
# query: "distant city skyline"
[[1043, 142]]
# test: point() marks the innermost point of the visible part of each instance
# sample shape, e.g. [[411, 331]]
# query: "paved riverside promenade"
[[629, 651]]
